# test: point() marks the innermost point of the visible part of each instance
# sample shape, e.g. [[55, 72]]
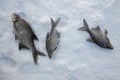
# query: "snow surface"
[[75, 58]]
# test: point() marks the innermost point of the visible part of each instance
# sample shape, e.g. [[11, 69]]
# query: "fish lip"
[[50, 55], [110, 47], [15, 17]]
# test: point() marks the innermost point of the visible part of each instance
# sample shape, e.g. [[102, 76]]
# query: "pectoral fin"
[[16, 37], [90, 40], [22, 46], [35, 37]]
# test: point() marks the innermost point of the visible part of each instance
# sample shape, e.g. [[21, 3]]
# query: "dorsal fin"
[[106, 32], [97, 28]]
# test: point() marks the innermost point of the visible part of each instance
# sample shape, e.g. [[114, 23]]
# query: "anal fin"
[[22, 46]]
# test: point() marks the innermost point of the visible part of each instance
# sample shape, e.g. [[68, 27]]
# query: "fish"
[[52, 38], [97, 36], [25, 36]]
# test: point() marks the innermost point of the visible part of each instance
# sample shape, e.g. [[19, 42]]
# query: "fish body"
[[52, 38], [25, 35], [97, 36]]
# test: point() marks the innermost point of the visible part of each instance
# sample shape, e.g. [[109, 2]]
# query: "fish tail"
[[35, 55], [86, 27], [54, 23]]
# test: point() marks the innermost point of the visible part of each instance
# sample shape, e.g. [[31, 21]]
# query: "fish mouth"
[[49, 55], [15, 17], [110, 46]]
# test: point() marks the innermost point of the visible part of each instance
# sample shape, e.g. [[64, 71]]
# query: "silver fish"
[[25, 35], [52, 38], [97, 36]]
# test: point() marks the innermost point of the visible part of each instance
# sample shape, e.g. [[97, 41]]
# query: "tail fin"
[[86, 27], [35, 54], [54, 23]]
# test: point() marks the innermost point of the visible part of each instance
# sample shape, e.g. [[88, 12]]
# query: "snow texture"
[[75, 58]]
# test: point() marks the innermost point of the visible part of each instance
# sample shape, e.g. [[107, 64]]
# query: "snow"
[[75, 58]]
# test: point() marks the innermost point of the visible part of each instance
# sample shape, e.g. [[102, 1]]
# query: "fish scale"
[[25, 35], [97, 36], [52, 39]]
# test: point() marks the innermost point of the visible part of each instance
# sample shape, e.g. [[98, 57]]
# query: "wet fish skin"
[[25, 35], [52, 38], [97, 36]]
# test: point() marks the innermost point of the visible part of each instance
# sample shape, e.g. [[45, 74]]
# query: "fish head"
[[50, 54], [109, 45], [15, 17]]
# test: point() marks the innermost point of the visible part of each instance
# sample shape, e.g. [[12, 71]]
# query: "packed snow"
[[75, 58]]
